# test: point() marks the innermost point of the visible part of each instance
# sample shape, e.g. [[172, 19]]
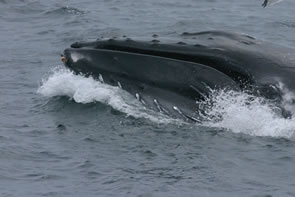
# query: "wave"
[[238, 112], [65, 10]]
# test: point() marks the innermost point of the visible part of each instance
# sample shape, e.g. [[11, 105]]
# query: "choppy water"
[[67, 135]]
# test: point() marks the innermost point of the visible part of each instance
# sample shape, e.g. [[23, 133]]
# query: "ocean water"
[[68, 135]]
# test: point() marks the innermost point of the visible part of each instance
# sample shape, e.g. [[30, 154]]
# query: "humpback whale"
[[169, 77]]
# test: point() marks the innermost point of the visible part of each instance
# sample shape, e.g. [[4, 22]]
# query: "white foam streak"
[[273, 2]]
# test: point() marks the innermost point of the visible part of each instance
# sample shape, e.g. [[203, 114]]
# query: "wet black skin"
[[177, 74]]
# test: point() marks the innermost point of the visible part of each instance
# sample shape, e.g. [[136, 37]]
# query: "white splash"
[[243, 113], [62, 82], [288, 97]]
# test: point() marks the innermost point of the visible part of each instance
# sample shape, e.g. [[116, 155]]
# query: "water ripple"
[[66, 10]]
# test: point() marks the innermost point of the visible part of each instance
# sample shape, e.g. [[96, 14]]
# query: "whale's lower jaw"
[[170, 78], [168, 86]]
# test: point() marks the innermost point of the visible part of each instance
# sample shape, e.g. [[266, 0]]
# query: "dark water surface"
[[51, 145]]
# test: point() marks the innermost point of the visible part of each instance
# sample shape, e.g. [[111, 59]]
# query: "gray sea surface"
[[67, 135]]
